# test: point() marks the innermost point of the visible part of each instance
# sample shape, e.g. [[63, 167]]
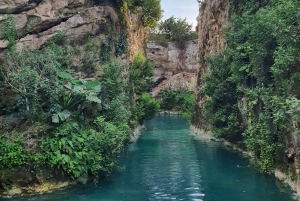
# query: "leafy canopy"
[[177, 29]]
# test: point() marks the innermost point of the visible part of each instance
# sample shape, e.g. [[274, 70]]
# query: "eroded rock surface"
[[75, 19], [174, 69], [212, 20]]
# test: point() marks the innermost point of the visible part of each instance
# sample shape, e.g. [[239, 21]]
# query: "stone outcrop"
[[17, 6], [213, 18], [87, 21], [40, 15], [43, 19], [174, 69]]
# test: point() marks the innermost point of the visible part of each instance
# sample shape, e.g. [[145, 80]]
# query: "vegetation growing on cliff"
[[254, 85], [178, 101], [177, 30], [52, 119], [151, 10], [173, 29]]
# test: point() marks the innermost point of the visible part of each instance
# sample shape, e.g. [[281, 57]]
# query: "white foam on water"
[[196, 194], [192, 188]]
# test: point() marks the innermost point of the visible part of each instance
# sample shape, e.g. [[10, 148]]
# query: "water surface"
[[168, 163]]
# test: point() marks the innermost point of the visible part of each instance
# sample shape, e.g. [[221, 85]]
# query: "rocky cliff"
[[171, 71], [38, 20], [93, 31], [213, 18]]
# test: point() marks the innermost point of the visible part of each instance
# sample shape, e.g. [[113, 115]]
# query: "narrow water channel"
[[168, 163]]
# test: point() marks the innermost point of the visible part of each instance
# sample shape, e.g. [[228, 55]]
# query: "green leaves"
[[178, 30], [64, 75], [151, 9], [61, 116], [140, 74], [78, 92], [253, 85], [149, 106], [14, 155], [8, 29], [178, 101], [83, 151], [93, 85]]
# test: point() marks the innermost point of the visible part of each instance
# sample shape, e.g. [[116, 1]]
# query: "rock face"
[[174, 69], [38, 21], [37, 16], [16, 6], [213, 18]]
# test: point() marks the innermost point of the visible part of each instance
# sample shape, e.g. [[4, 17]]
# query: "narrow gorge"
[[85, 86]]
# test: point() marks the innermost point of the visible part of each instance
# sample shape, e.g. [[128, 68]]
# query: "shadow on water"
[[168, 163]]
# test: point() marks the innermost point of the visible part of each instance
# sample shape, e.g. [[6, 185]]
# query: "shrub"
[[114, 96], [179, 101], [81, 152], [140, 74], [14, 155], [178, 30], [149, 106], [151, 9]]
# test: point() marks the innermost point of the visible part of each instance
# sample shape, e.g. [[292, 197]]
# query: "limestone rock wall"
[[213, 18], [39, 20], [174, 69]]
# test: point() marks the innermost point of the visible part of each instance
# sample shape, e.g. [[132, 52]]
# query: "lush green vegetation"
[[177, 30], [149, 106], [178, 101], [151, 10], [254, 85], [143, 105], [172, 30], [51, 119], [81, 151]]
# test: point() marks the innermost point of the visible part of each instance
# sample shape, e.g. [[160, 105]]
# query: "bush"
[[81, 152], [140, 74], [178, 30], [151, 10], [149, 106], [179, 101], [14, 155], [115, 95]]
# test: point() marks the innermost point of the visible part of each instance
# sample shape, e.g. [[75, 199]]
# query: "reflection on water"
[[167, 163]]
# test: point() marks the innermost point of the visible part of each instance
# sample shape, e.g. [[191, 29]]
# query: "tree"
[[150, 106], [151, 9], [177, 29], [152, 12]]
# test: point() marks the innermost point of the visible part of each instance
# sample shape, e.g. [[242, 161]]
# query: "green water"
[[168, 163]]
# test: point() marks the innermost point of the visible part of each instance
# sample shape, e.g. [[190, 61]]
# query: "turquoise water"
[[168, 163]]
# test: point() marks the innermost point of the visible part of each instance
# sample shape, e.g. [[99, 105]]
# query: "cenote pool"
[[168, 163]]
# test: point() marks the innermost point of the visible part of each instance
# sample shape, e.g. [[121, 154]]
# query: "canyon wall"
[[171, 71], [90, 29], [214, 17], [37, 21]]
